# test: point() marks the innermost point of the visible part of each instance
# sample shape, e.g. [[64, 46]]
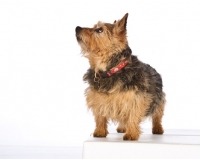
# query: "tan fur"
[[95, 46], [157, 119], [121, 128], [128, 106]]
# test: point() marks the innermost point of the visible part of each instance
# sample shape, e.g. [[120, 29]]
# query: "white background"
[[41, 89]]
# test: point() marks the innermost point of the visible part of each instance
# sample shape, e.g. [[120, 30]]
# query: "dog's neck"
[[114, 63], [112, 71]]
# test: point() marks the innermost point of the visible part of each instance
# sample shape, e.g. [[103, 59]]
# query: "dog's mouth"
[[78, 38]]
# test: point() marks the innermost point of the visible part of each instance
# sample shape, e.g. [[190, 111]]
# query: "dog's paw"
[[157, 130], [100, 133], [121, 130], [131, 137]]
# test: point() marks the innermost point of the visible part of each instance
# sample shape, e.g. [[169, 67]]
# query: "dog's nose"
[[78, 29]]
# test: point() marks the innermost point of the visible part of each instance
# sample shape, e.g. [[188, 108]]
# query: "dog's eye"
[[99, 30]]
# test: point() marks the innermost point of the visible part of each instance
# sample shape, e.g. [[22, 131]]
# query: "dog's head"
[[103, 38]]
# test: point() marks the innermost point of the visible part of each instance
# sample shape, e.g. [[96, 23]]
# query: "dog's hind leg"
[[121, 128], [101, 127], [157, 119]]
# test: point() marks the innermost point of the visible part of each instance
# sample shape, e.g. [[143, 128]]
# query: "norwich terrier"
[[121, 88]]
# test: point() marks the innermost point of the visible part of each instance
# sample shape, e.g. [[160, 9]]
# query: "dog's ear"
[[123, 22], [114, 22]]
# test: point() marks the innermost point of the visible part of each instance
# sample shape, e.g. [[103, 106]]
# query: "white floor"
[[171, 137], [174, 144], [40, 152]]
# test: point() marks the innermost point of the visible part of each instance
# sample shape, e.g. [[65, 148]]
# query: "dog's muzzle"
[[78, 30]]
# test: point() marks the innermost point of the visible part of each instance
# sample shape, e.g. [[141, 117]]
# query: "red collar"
[[111, 71]]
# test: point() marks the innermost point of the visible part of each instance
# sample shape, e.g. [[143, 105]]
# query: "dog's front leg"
[[101, 126], [133, 123], [132, 130]]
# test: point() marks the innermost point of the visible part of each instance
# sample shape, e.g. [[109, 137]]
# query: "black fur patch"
[[135, 76]]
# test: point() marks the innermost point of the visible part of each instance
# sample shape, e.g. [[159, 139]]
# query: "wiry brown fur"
[[130, 95]]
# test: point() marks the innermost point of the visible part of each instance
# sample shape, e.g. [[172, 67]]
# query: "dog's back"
[[136, 76]]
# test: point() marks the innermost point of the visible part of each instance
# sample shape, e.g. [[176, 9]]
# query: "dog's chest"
[[115, 106]]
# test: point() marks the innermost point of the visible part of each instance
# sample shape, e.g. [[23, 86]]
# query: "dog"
[[121, 87]]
